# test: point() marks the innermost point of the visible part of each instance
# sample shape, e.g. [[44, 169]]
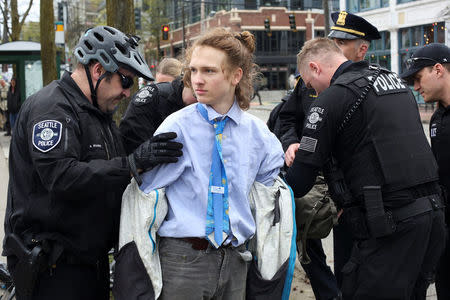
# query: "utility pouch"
[[379, 222], [30, 264]]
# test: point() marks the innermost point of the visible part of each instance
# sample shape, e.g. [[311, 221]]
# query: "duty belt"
[[419, 206]]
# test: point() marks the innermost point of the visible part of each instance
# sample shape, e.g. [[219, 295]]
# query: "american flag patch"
[[308, 144]]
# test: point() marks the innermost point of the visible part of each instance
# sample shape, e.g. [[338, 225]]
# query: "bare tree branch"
[[25, 15]]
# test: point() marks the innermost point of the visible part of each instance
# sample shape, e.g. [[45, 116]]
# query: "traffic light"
[[292, 23], [165, 32], [137, 18], [267, 26], [60, 12]]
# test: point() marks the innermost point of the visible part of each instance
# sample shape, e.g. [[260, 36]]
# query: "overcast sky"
[[34, 12]]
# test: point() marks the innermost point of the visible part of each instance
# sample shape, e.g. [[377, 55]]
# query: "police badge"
[[46, 135]]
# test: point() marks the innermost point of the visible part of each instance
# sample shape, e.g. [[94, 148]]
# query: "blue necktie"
[[217, 219]]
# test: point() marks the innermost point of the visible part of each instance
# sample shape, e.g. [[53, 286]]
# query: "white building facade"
[[404, 25]]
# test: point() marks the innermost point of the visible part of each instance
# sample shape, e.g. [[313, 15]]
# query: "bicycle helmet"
[[113, 49]]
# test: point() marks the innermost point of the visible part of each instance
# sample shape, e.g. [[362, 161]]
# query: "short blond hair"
[[170, 66], [318, 47]]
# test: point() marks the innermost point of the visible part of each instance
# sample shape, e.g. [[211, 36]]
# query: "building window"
[[279, 43], [412, 38], [380, 51], [404, 1], [362, 5]]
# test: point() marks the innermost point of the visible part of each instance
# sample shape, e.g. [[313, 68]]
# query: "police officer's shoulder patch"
[[145, 94], [46, 135]]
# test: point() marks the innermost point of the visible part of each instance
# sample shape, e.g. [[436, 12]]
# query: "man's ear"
[[236, 76], [96, 71], [362, 50], [314, 68], [439, 70]]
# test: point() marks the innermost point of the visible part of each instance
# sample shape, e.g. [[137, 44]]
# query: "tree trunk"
[[48, 48], [5, 14], [16, 25], [120, 14]]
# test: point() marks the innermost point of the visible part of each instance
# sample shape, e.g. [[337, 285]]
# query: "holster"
[[379, 222], [30, 263]]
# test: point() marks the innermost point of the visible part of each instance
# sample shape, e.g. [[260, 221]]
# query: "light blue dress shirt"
[[250, 151]]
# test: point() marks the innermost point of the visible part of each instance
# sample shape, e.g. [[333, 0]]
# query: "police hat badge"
[[349, 27]]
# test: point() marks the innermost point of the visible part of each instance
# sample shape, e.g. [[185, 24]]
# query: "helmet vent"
[[122, 49], [105, 58], [88, 45], [109, 30], [137, 59], [80, 53], [98, 36]]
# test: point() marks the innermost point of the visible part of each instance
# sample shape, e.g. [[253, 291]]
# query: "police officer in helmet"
[[366, 119], [68, 170], [428, 70]]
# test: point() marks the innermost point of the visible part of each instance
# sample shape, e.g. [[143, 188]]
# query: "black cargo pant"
[[69, 281], [397, 266]]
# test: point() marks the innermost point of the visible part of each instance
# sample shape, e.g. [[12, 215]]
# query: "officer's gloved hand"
[[157, 150]]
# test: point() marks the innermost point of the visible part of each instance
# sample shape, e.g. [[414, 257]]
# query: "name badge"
[[217, 189]]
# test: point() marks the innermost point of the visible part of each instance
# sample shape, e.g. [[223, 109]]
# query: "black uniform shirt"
[[292, 114], [147, 110], [324, 118], [440, 143], [68, 171]]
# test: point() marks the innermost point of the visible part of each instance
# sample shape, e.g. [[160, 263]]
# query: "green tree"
[[48, 48], [120, 14], [31, 32]]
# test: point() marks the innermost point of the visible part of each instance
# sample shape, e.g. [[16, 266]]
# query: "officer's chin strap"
[[91, 85]]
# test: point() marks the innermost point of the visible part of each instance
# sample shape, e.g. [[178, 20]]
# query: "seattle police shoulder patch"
[[46, 135]]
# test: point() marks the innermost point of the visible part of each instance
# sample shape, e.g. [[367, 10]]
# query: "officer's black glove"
[[157, 150]]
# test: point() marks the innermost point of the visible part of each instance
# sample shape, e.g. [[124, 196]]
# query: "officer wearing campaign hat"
[[350, 27], [428, 70]]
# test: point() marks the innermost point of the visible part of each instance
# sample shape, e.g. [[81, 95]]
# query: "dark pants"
[[398, 266], [322, 279], [342, 247], [443, 273], [70, 281], [202, 274]]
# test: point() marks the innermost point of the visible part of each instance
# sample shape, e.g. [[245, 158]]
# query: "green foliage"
[[30, 32]]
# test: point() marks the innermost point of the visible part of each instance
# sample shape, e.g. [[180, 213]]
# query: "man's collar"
[[234, 113]]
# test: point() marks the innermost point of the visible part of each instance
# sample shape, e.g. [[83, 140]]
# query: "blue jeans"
[[12, 120], [201, 274]]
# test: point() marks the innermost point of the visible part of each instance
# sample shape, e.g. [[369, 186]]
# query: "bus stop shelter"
[[26, 56]]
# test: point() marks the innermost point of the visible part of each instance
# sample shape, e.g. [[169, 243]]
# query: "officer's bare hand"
[[290, 154]]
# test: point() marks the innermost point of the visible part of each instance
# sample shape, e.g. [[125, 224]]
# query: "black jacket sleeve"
[[72, 166], [141, 119], [288, 120], [301, 177]]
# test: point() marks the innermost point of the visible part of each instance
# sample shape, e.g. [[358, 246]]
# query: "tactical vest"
[[396, 154]]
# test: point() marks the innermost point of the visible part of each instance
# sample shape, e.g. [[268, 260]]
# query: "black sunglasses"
[[410, 62], [126, 81]]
